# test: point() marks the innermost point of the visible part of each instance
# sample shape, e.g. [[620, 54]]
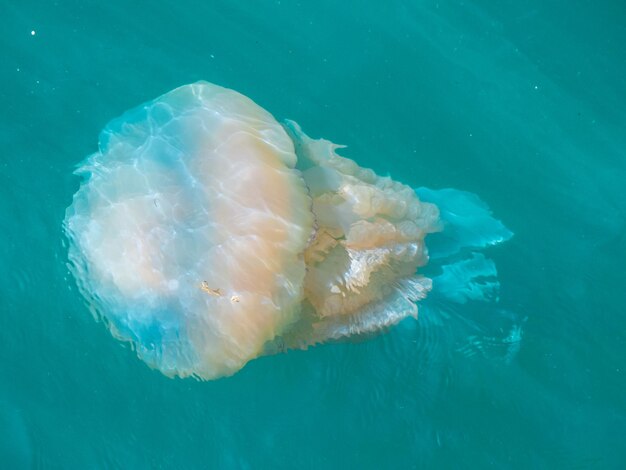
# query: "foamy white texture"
[[198, 235]]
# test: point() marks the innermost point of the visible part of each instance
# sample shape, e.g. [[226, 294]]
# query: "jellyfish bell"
[[207, 234]]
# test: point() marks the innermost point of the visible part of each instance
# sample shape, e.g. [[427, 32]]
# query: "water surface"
[[521, 103]]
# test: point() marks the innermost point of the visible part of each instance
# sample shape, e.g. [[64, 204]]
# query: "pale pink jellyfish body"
[[208, 234]]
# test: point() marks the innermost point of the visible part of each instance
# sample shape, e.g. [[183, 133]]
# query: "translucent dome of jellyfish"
[[207, 234]]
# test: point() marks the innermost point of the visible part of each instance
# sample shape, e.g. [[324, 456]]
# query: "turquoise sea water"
[[522, 103]]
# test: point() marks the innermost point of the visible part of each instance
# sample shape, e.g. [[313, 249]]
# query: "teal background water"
[[523, 103]]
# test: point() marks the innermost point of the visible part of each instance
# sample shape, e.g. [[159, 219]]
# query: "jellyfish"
[[206, 234]]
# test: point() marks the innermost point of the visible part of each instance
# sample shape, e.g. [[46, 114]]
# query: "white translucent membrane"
[[207, 234]]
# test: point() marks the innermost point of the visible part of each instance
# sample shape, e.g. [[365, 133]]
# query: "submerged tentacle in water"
[[463, 303]]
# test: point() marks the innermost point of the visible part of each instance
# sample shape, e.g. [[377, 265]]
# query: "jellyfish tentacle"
[[369, 243]]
